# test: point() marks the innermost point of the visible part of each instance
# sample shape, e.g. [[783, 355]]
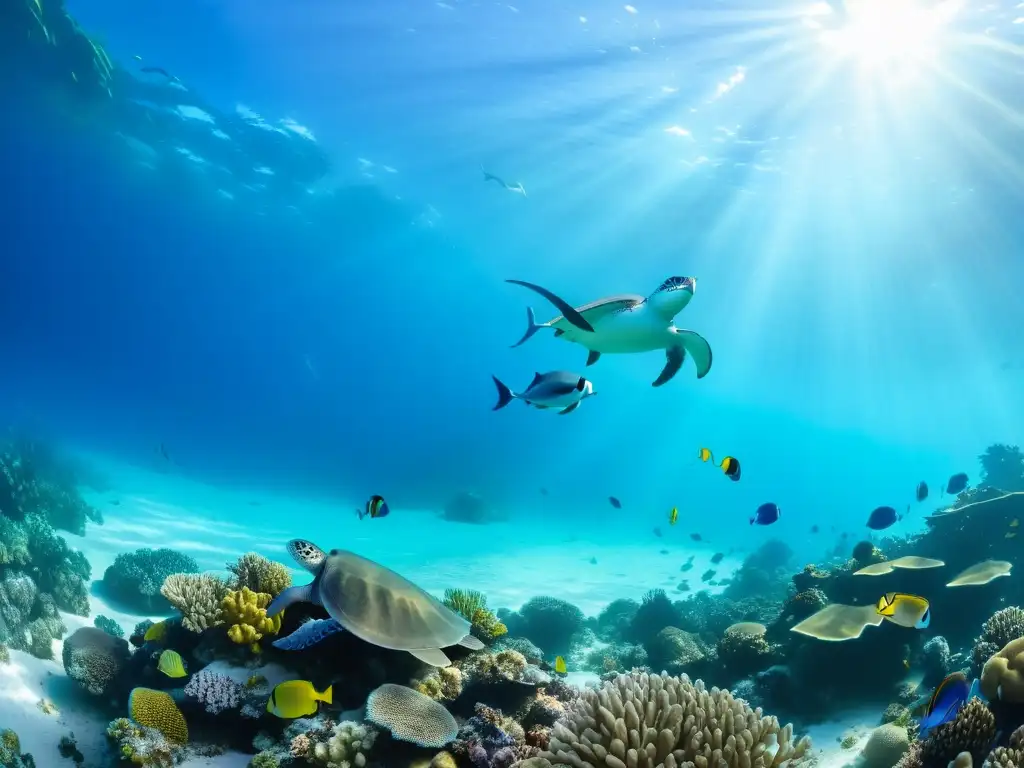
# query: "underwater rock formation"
[[134, 578], [764, 574], [651, 720], [95, 659]]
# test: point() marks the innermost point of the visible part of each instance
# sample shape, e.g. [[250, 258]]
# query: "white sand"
[[508, 563]]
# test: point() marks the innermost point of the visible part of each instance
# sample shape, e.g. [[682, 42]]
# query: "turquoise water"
[[264, 280]]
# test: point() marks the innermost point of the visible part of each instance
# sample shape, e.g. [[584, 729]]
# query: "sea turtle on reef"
[[373, 603], [629, 323]]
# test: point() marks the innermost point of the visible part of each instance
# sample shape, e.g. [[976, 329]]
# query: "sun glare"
[[883, 32]]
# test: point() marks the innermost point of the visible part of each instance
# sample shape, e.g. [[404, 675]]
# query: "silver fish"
[[556, 389]]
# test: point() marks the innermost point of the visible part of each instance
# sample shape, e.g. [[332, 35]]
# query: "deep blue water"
[[856, 240]]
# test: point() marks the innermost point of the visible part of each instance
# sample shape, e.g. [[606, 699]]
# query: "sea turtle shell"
[[377, 605], [596, 310]]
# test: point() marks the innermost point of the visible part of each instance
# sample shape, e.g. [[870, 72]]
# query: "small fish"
[[766, 514], [156, 632], [951, 694], [159, 71], [171, 664], [881, 518], [957, 483], [116, 502], [543, 491], [657, 532], [908, 611], [683, 586], [593, 561], [686, 567], [296, 698], [673, 516], [690, 558], [517, 187], [560, 667], [662, 551], [708, 574], [814, 529], [1010, 535], [922, 491], [1014, 523], [696, 537], [556, 389], [730, 466], [717, 557], [375, 507], [615, 502]]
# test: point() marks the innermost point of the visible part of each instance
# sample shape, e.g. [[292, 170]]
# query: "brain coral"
[[94, 659], [1002, 627], [642, 721], [886, 745], [1002, 677], [156, 709], [411, 716]]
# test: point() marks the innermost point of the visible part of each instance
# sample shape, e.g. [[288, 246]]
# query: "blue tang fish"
[[957, 483], [766, 514], [882, 518], [951, 694]]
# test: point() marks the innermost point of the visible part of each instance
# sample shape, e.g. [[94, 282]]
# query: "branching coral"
[[246, 612], [646, 720], [472, 606], [141, 746], [197, 597], [259, 574], [135, 578], [215, 691]]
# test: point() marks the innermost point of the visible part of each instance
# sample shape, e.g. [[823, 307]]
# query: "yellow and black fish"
[[297, 698], [909, 611], [730, 465], [560, 667], [673, 516]]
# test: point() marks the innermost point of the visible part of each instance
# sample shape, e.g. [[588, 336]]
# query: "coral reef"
[[258, 574], [215, 691], [649, 720], [156, 709], [972, 731], [1002, 467], [108, 625], [10, 751], [549, 622], [197, 597], [95, 659], [472, 606], [139, 745], [245, 612], [1002, 627], [411, 716], [884, 748], [134, 578], [1002, 677]]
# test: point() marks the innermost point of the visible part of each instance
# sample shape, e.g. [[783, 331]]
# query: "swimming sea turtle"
[[373, 603], [632, 323]]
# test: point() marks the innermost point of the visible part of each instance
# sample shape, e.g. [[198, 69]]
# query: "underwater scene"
[[492, 383]]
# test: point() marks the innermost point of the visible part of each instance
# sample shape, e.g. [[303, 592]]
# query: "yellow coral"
[[156, 709], [246, 612]]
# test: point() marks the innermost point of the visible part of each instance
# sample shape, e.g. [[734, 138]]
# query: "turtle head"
[[672, 295], [307, 554]]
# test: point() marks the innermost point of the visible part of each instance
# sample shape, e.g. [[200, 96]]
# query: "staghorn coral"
[[135, 578], [259, 574], [94, 659], [215, 691], [411, 716], [1002, 627], [1002, 677], [197, 597], [246, 612], [643, 721], [156, 709]]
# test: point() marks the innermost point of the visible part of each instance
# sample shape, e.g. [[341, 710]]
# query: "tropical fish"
[[171, 664], [696, 537], [543, 491], [922, 491], [556, 389], [156, 632], [766, 514], [717, 557], [375, 507], [296, 698], [686, 567], [560, 667], [908, 611], [1014, 523], [881, 518], [730, 465], [657, 532], [814, 529], [615, 502], [957, 483], [951, 694], [708, 574], [673, 516]]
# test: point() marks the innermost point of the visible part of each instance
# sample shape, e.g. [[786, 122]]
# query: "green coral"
[[265, 759], [108, 625], [10, 752], [472, 606], [140, 746]]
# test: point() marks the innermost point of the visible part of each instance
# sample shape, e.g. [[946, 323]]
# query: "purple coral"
[[216, 691], [485, 742]]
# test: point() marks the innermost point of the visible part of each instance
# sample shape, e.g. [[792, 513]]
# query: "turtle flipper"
[[300, 594], [307, 554], [593, 357], [674, 357], [473, 643], [699, 349], [433, 656], [567, 310], [310, 633]]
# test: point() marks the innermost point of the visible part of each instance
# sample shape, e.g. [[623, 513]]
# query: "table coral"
[[246, 613]]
